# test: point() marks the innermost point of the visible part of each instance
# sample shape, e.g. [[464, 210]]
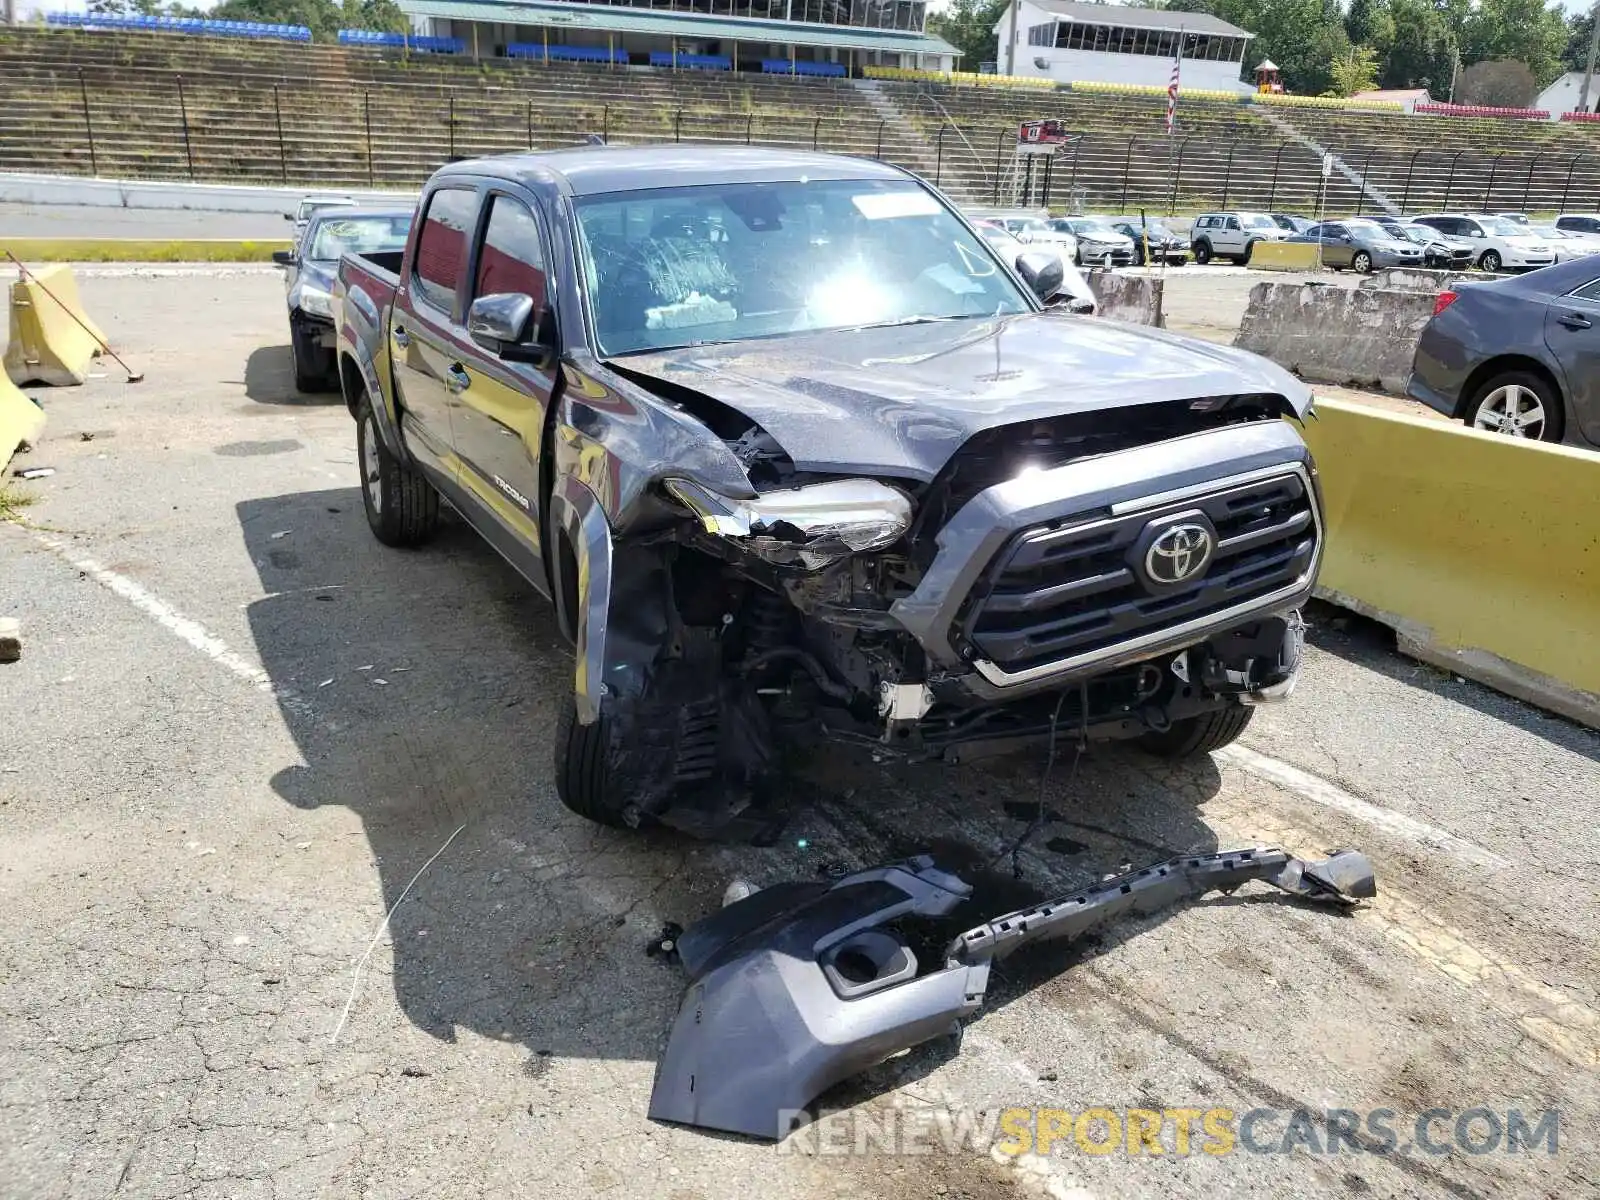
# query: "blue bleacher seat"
[[189, 25]]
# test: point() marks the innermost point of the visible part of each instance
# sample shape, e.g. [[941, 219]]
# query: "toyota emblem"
[[1179, 554]]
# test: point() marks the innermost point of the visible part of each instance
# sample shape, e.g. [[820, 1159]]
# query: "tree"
[[1355, 71], [1424, 50], [1526, 31], [1501, 83], [1370, 23], [1580, 30], [968, 25]]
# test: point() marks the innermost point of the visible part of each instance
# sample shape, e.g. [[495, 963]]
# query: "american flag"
[[1172, 85]]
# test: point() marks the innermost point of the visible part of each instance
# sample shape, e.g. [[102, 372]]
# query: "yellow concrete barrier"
[[142, 250], [1284, 256], [21, 420], [1479, 550], [47, 345]]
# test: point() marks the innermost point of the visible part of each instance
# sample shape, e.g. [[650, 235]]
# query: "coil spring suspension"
[[768, 620]]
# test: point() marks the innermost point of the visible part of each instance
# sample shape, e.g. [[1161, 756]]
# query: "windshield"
[[1367, 229], [1257, 221], [337, 236], [1002, 241], [1095, 228], [1500, 227], [689, 266], [306, 208]]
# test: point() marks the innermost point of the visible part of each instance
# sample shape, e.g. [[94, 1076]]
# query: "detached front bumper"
[[1056, 576]]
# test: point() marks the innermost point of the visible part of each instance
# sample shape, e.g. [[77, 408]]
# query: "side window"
[[442, 246], [1333, 231], [1589, 291], [512, 258], [1233, 223], [1315, 231], [1470, 228]]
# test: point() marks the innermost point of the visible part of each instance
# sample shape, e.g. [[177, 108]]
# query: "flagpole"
[[1172, 125]]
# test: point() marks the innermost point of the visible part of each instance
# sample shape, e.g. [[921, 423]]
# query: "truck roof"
[[592, 170]]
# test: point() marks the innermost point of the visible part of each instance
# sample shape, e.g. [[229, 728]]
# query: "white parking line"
[[162, 613], [1319, 791]]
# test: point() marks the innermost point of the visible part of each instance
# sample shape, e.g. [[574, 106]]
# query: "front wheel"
[[1191, 736], [585, 781], [1249, 253], [1517, 404], [402, 507], [1362, 263], [313, 365], [1202, 253], [1491, 260]]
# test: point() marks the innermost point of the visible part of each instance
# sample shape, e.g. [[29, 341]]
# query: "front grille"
[[1063, 590]]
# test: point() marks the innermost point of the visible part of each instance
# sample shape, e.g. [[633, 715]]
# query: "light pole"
[[1588, 74]]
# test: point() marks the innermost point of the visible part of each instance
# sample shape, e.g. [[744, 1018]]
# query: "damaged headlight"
[[807, 526], [315, 301]]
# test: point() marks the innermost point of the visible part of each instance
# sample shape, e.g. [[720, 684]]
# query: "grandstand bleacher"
[[271, 109]]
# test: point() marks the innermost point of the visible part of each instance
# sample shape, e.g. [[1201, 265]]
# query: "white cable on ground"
[[355, 984]]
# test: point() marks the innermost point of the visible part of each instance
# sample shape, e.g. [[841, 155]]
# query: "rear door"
[[1338, 247], [425, 332], [499, 424], [1572, 331]]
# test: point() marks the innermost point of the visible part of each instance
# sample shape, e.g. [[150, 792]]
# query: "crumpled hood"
[[901, 400]]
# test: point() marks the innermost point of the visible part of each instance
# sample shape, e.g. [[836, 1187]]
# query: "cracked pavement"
[[193, 866]]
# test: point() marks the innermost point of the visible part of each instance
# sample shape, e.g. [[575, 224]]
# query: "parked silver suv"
[[1232, 235]]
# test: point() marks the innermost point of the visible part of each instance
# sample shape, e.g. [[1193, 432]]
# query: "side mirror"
[[505, 324], [1042, 273], [288, 216], [284, 258]]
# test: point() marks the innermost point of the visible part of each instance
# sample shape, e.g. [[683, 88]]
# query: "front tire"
[[313, 366], [585, 782], [1192, 736], [402, 507], [1249, 253], [1362, 263], [1491, 261], [1202, 253], [1517, 404]]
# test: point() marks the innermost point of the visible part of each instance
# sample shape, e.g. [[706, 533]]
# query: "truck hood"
[[900, 400]]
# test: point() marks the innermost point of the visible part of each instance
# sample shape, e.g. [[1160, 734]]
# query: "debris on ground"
[[33, 472], [10, 639]]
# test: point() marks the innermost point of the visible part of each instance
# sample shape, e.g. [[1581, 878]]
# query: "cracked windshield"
[[694, 266]]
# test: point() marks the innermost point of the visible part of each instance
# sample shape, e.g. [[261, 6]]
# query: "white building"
[[1067, 41], [1562, 95]]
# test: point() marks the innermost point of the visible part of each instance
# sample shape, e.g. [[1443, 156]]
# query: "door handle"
[[401, 337], [457, 379], [1575, 321]]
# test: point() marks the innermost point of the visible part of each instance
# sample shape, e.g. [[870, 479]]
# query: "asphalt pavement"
[[242, 733]]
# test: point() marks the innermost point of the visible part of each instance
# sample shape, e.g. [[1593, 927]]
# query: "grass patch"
[[12, 501]]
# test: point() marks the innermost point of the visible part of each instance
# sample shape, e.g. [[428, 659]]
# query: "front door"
[[499, 421]]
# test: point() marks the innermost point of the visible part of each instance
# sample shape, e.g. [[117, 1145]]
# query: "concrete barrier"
[[1421, 279], [1132, 298], [142, 250], [21, 420], [1478, 550], [205, 197], [1284, 256], [1329, 334], [53, 340]]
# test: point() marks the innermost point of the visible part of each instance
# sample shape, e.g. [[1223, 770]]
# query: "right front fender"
[[576, 511]]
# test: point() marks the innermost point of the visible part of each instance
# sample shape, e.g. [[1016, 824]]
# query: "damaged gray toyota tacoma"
[[795, 455]]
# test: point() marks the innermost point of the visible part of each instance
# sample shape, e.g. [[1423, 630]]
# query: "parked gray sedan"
[[1518, 356], [308, 272], [1361, 245]]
